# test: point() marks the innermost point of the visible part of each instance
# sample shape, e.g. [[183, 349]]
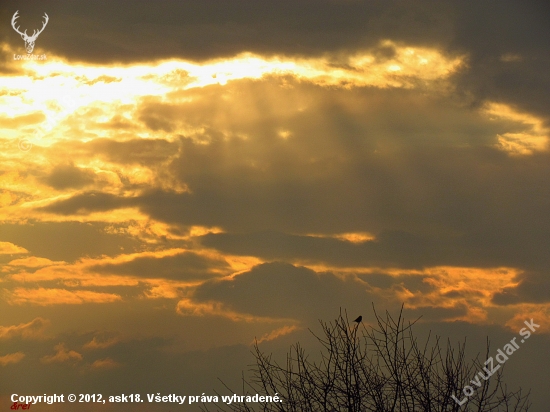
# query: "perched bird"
[[359, 319]]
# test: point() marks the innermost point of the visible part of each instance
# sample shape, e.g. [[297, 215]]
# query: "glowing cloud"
[[56, 94], [540, 314], [533, 137], [285, 330], [62, 355], [7, 248], [33, 262], [99, 343], [187, 307], [11, 358], [31, 330], [46, 297], [106, 363]]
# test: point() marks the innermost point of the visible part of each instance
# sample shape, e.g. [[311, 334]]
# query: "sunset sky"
[[180, 178]]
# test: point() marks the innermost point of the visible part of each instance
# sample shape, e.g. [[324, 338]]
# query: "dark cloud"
[[418, 171], [390, 249], [67, 241], [533, 287], [160, 116], [488, 31], [69, 176], [88, 202], [30, 330], [413, 283], [183, 266], [149, 152], [431, 313], [106, 31], [283, 290], [152, 153]]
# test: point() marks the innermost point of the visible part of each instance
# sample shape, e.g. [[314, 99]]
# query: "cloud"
[[33, 262], [8, 66], [19, 121], [62, 355], [451, 183], [161, 273], [526, 136], [31, 330], [99, 33], [417, 283], [45, 296], [531, 287], [181, 266], [105, 364], [69, 176], [101, 342], [519, 82], [7, 248], [281, 290], [451, 293], [189, 307], [419, 171], [148, 152], [11, 358], [84, 203], [387, 250], [72, 239], [285, 330], [540, 314], [103, 33]]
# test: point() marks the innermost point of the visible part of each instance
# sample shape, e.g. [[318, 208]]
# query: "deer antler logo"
[[29, 40]]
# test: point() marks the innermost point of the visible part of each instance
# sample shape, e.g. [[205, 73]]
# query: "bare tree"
[[378, 368]]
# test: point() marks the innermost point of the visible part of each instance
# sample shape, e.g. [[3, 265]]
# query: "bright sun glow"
[[51, 96], [533, 138]]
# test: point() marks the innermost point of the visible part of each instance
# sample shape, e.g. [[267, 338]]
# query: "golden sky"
[[164, 201]]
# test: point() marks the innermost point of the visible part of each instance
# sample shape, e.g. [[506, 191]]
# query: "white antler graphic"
[[29, 40]]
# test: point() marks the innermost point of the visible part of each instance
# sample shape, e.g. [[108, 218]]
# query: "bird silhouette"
[[359, 319]]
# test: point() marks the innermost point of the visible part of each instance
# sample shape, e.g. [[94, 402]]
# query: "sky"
[[181, 178]]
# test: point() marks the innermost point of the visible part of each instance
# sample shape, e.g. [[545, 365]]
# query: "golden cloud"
[[540, 313], [11, 358], [533, 138], [285, 330], [84, 273], [31, 330], [99, 343], [187, 307], [106, 363], [33, 262], [46, 297], [7, 248], [352, 237], [83, 97], [453, 287], [62, 355]]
